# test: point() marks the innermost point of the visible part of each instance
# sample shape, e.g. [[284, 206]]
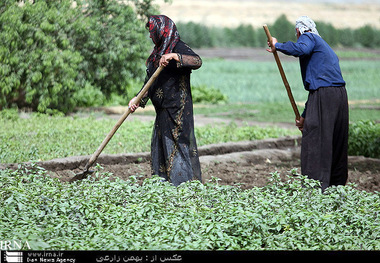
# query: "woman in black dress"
[[173, 150]]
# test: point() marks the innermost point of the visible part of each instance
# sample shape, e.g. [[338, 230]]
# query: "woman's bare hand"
[[165, 59], [299, 123], [133, 104], [272, 46]]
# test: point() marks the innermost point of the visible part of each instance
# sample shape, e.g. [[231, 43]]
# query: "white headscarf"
[[305, 23]]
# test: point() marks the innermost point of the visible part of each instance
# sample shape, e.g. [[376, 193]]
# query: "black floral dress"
[[174, 153]]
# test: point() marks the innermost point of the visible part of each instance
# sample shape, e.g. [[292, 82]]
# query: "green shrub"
[[99, 213], [346, 37], [328, 33], [37, 62], [366, 36], [195, 35], [56, 56], [203, 94], [364, 139]]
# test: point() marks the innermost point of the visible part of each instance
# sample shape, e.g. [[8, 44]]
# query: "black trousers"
[[325, 137]]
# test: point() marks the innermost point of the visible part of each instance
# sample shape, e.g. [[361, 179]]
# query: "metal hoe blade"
[[81, 175]]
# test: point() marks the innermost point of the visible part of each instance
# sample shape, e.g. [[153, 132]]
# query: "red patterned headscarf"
[[164, 35]]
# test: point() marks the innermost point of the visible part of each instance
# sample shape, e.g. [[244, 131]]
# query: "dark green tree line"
[[197, 35]]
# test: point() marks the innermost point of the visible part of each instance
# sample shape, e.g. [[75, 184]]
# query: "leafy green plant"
[[364, 139], [203, 94], [99, 213], [37, 62], [283, 29]]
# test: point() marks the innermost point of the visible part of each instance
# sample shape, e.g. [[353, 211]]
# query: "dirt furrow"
[[247, 164]]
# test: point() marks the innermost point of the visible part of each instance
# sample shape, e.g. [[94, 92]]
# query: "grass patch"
[[41, 137], [279, 112], [357, 54]]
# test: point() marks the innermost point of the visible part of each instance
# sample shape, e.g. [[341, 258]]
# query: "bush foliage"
[[204, 94], [364, 139], [99, 213], [57, 55]]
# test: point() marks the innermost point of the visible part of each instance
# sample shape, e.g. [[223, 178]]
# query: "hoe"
[[276, 57], [96, 154]]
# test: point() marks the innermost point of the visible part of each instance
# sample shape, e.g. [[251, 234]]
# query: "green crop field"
[[99, 213], [253, 82]]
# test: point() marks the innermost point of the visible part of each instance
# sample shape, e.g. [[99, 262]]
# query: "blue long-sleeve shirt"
[[319, 63]]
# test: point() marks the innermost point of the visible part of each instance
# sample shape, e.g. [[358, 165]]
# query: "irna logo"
[[14, 245]]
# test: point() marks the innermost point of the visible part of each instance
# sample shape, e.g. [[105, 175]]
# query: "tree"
[[114, 46], [37, 62], [283, 30], [365, 36], [59, 54], [328, 33]]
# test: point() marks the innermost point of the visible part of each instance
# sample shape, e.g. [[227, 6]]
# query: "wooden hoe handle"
[[290, 95], [96, 154]]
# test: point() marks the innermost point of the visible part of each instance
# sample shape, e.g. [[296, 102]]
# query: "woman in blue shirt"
[[324, 122]]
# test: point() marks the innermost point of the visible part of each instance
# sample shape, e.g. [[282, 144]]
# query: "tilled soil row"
[[248, 164], [75, 162]]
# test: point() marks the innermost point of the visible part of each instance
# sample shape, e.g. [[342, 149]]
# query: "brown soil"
[[249, 164]]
